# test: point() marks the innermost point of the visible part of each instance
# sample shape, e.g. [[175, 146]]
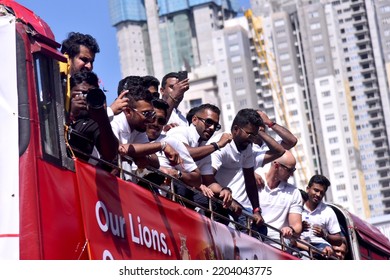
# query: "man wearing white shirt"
[[204, 123], [130, 126], [233, 165], [320, 225], [188, 171], [280, 201], [172, 91]]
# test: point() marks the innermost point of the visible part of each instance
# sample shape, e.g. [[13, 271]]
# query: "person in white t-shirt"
[[320, 225], [205, 122], [172, 91], [130, 126], [233, 165], [280, 201], [188, 171]]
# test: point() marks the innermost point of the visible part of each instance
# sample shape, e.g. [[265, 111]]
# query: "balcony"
[[374, 108]]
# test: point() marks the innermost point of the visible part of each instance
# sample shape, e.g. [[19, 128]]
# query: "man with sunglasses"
[[188, 171], [205, 122], [233, 166], [280, 201], [130, 126]]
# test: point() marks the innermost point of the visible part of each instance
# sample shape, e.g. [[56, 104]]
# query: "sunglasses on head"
[[210, 122]]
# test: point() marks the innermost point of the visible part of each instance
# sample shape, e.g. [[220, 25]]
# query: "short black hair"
[[128, 82], [71, 45], [167, 76], [191, 113], [137, 93], [161, 104], [320, 180], [247, 116], [148, 81], [84, 76], [208, 106]]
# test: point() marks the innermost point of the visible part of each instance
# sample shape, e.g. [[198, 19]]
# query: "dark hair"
[[149, 81], [208, 106], [84, 76], [161, 104], [304, 195], [167, 76], [320, 180], [128, 82], [191, 113], [71, 45], [247, 116], [137, 93]]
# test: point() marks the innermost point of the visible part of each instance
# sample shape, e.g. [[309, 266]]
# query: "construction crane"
[[275, 86]]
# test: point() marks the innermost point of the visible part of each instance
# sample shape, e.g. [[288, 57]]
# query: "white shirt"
[[125, 135], [324, 216], [178, 117], [229, 164], [188, 164], [190, 136], [277, 204]]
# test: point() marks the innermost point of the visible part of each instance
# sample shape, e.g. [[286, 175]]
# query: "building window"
[[195, 102], [329, 117], [331, 128], [324, 82], [279, 22], [325, 93]]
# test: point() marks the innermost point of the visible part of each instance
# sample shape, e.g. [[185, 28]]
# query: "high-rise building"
[[157, 37], [332, 57], [321, 68]]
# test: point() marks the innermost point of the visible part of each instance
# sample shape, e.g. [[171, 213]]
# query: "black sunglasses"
[[147, 114], [288, 169], [210, 122]]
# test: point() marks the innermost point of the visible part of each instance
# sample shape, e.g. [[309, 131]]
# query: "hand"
[[258, 219], [236, 208], [259, 181], [327, 251], [318, 231], [179, 89], [169, 126], [170, 171], [172, 155], [206, 191], [78, 103], [226, 197], [225, 139], [264, 117], [305, 226], [287, 232], [120, 103]]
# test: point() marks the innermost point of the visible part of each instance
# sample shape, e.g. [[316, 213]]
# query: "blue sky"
[[85, 16]]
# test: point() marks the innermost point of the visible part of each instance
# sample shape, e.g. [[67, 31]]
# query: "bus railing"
[[282, 243]]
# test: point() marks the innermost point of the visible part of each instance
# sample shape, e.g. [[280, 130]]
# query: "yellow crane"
[[257, 28]]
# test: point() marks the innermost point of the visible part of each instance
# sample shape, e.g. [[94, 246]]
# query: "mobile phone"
[[183, 75]]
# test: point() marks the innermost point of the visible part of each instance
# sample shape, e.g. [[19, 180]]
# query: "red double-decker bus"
[[53, 206]]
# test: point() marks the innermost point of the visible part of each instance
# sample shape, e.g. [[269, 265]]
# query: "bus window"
[[47, 105]]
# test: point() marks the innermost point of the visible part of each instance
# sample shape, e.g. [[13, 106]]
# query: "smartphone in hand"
[[183, 75]]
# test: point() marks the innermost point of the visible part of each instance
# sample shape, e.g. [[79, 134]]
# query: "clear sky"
[[85, 16]]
